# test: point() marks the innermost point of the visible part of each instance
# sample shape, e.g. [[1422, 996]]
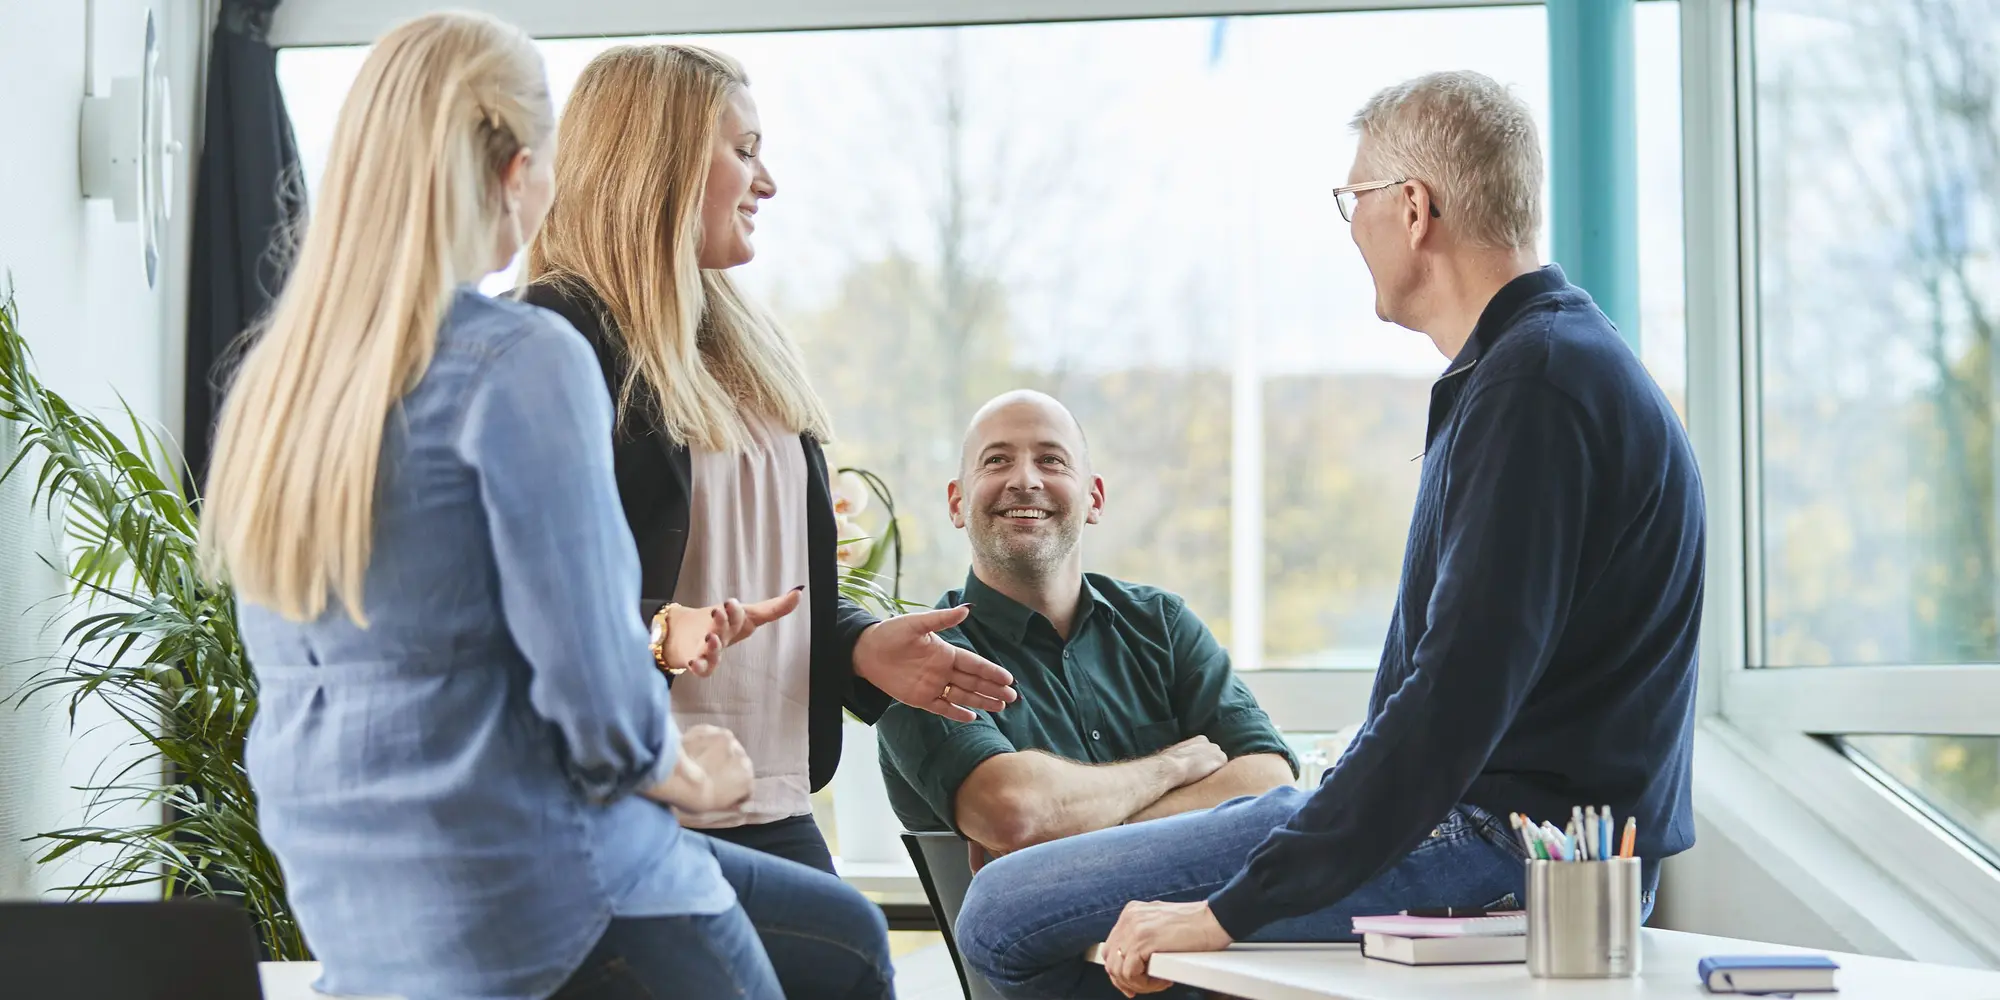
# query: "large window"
[[1878, 165], [1134, 216], [1877, 158]]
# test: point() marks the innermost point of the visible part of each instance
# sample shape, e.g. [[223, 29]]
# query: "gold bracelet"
[[661, 631]]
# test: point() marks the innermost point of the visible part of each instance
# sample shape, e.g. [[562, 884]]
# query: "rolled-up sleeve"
[[935, 755], [537, 432]]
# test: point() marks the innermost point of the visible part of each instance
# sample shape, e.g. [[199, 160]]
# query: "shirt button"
[[1095, 735]]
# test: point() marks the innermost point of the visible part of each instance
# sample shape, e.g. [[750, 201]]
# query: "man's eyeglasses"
[[1347, 196]]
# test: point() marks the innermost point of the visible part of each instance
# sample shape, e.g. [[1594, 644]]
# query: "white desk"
[[294, 980], [1338, 972]]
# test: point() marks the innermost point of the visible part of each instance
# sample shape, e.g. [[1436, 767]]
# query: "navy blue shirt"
[[1542, 651]]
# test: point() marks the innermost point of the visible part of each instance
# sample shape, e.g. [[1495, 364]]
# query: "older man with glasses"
[[1542, 651]]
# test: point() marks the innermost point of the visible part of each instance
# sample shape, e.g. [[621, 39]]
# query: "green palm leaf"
[[155, 644]]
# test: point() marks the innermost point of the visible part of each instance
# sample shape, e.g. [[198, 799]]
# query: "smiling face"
[[1025, 489], [737, 182]]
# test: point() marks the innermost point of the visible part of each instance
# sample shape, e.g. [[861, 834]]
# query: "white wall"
[[1768, 868], [98, 332], [1719, 888]]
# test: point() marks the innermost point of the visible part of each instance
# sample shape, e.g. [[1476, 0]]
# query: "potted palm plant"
[[155, 643]]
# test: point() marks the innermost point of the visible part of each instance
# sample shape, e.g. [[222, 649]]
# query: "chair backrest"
[[946, 872], [182, 950]]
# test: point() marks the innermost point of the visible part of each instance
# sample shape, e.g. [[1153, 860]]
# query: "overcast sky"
[[1125, 175]]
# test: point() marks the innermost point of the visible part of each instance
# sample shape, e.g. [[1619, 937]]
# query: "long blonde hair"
[[631, 167], [412, 207]]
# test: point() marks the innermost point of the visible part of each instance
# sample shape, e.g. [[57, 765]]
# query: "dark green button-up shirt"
[[1139, 673]]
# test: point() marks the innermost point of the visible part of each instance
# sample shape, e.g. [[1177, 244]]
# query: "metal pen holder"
[[1583, 919]]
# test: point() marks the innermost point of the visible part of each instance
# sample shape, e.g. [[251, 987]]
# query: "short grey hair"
[[1473, 142]]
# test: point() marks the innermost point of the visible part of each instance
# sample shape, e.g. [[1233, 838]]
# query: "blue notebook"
[[1768, 973]]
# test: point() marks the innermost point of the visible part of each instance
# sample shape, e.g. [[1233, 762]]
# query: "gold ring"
[[946, 696]]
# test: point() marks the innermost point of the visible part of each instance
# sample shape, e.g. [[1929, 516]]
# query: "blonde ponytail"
[[412, 208]]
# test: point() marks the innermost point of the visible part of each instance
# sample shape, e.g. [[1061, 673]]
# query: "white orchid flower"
[[855, 544], [850, 495]]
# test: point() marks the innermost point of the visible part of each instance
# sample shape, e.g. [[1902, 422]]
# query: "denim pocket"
[[1457, 826], [1492, 830]]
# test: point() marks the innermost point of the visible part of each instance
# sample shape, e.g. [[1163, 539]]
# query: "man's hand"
[[905, 659], [1146, 929], [1197, 758], [696, 637], [1251, 774]]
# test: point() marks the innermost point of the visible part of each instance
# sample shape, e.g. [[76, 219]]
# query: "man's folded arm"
[[1250, 774], [1021, 799], [1211, 700]]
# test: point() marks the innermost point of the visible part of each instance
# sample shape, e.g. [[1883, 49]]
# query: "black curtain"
[[248, 197]]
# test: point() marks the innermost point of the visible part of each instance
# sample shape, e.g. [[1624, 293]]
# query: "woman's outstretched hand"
[[696, 637], [905, 659]]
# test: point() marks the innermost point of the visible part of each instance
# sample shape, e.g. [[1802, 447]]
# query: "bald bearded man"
[[1129, 709]]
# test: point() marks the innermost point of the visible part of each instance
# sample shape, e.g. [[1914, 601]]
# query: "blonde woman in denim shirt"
[[462, 753]]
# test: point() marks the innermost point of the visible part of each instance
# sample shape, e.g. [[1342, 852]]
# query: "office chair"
[[943, 868]]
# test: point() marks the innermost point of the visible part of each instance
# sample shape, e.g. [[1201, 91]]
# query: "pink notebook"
[[1496, 925]]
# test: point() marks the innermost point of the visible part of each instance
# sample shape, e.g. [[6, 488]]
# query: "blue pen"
[[1605, 828]]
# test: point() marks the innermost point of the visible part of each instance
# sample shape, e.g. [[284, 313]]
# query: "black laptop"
[[183, 950]]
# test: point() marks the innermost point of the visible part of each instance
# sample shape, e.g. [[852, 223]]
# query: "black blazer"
[[655, 476]]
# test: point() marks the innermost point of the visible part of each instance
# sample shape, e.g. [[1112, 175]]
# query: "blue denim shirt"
[[449, 791]]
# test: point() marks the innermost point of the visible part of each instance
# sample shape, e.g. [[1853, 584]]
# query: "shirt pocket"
[[1153, 737]]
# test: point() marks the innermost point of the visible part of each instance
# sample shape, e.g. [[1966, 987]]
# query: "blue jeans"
[[1029, 916], [795, 839], [795, 934]]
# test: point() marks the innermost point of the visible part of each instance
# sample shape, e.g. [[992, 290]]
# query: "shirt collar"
[[1498, 316], [999, 611]]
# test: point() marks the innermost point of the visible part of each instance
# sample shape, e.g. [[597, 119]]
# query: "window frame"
[[1778, 712], [1930, 865], [357, 22], [1773, 713]]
